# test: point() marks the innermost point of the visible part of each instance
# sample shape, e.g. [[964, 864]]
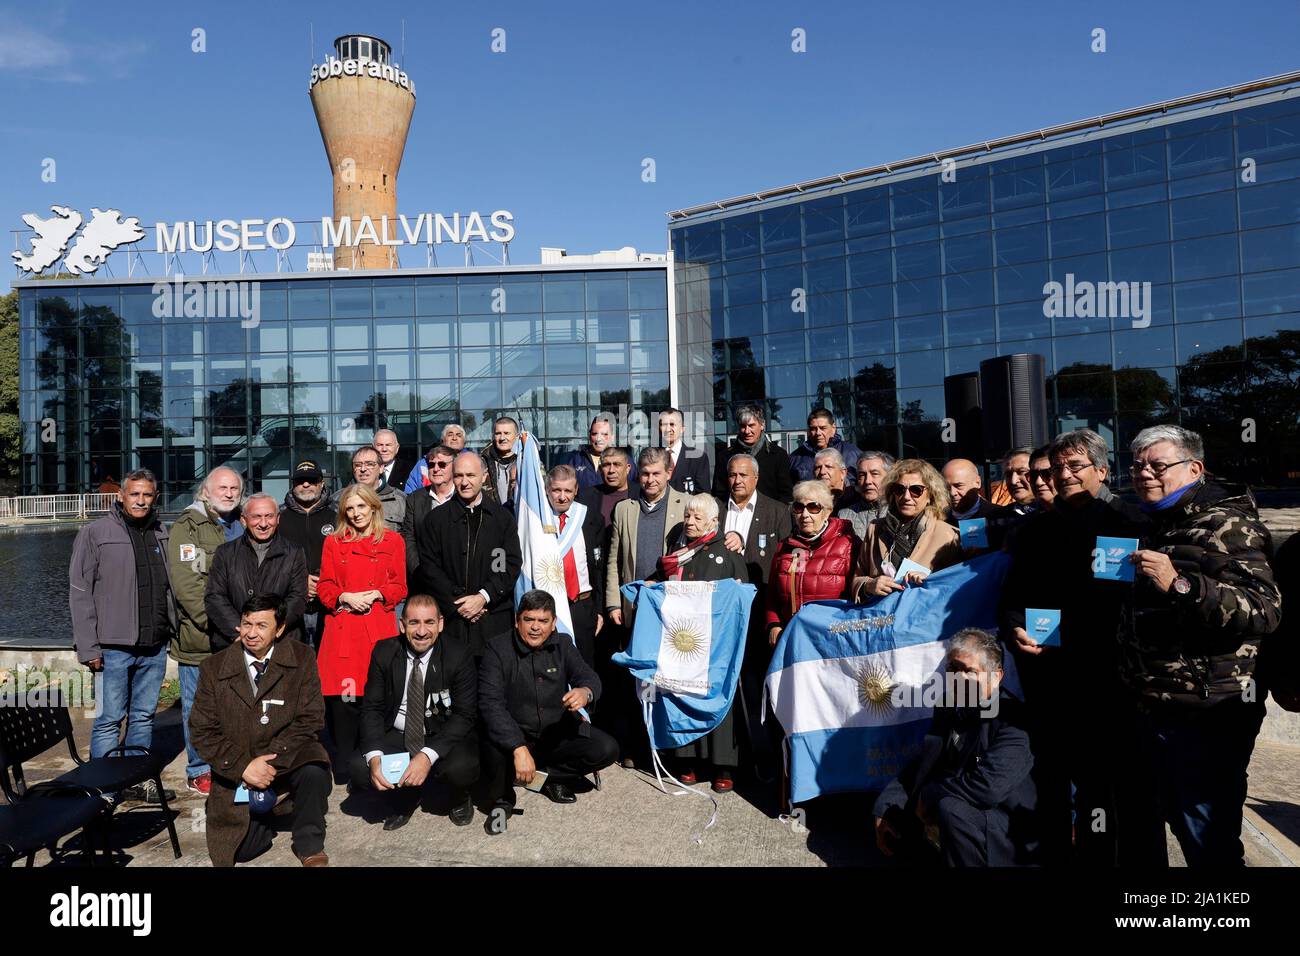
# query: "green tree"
[[10, 457]]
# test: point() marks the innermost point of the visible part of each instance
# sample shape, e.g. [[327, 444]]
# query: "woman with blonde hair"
[[912, 528], [362, 580]]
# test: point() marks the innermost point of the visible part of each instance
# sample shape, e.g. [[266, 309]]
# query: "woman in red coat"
[[813, 564], [362, 580]]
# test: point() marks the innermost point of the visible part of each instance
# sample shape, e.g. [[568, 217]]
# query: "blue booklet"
[[241, 793], [907, 566], [394, 765], [974, 532], [1110, 558], [1043, 625]]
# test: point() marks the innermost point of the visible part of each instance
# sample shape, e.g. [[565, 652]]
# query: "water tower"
[[363, 105]]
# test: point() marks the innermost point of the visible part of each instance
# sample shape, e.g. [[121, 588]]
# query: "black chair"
[[43, 816], [26, 731]]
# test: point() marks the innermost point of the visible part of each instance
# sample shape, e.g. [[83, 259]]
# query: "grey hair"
[[613, 451], [703, 503], [560, 473], [750, 413], [741, 456], [1184, 439], [262, 494], [982, 642], [201, 494], [818, 491], [388, 431], [885, 457], [144, 474], [1081, 439], [652, 456], [443, 433], [833, 455]]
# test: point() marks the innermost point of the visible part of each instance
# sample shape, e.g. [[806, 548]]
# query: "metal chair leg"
[[167, 815]]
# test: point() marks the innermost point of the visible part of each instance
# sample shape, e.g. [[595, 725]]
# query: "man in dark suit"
[[972, 778], [395, 464], [470, 558], [753, 525], [964, 485], [420, 674], [773, 462], [257, 714], [423, 500], [688, 467], [532, 685], [582, 551]]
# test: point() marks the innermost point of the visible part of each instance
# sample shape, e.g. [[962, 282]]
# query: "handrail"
[[56, 506]]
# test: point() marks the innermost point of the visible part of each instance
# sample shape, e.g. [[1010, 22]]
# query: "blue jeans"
[[189, 684], [132, 679]]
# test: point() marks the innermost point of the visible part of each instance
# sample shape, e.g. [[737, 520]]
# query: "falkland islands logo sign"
[[105, 232]]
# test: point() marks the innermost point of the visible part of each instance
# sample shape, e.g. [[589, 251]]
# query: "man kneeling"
[[256, 716], [421, 702], [971, 780], [532, 685]]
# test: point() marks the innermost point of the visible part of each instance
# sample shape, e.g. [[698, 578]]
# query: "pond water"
[[34, 585]]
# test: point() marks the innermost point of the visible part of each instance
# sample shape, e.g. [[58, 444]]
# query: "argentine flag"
[[688, 640], [845, 680], [543, 567]]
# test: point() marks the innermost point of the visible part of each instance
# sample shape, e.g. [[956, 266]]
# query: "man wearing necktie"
[[581, 532], [422, 701], [257, 714]]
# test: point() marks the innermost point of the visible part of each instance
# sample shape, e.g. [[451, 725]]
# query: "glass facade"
[[106, 385], [864, 297]]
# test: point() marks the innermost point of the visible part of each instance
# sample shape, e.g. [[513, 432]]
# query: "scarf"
[[1169, 500], [900, 537], [670, 565]]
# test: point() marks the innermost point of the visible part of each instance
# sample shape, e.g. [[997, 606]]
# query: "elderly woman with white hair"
[[701, 555]]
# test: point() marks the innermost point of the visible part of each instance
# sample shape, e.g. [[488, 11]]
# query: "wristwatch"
[[1182, 586]]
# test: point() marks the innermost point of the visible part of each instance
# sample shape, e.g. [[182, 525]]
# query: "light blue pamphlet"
[[908, 566], [1114, 552], [241, 793], [974, 532], [394, 765], [1043, 625]]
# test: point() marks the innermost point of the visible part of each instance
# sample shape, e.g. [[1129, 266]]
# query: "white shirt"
[[399, 723], [451, 490], [740, 518], [249, 660], [387, 471]]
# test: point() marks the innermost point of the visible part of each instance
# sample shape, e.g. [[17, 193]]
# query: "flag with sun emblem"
[[849, 683], [539, 542], [687, 644]]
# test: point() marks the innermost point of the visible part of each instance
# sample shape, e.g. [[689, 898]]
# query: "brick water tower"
[[363, 104]]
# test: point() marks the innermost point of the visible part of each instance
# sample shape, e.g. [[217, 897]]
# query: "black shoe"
[[398, 820], [147, 792], [462, 814], [557, 792]]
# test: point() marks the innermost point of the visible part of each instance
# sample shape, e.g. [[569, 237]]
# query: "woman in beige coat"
[[913, 527]]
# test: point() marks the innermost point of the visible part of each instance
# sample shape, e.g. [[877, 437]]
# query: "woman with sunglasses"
[[1040, 478], [815, 563], [912, 527]]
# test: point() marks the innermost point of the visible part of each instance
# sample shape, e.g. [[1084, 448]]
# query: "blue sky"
[[555, 129]]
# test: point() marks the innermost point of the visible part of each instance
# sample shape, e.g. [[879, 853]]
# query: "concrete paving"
[[629, 822]]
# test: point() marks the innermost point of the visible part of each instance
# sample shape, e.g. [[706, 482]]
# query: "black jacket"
[[521, 689], [773, 470], [450, 669], [418, 504], [691, 471], [235, 577], [307, 530], [769, 527], [462, 552], [982, 761]]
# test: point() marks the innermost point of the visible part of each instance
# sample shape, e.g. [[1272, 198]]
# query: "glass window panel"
[[1205, 215], [392, 366], [971, 327], [967, 290], [785, 347], [826, 250], [745, 288], [1026, 243], [871, 268], [1144, 348], [1207, 299], [1271, 292], [521, 330], [436, 332], [917, 261], [565, 326], [1200, 153], [435, 296], [269, 337], [1025, 186], [1138, 165], [781, 228], [1274, 248], [920, 332], [527, 360], [703, 243], [1075, 177], [351, 334], [269, 368], [391, 334], [1210, 342], [653, 324], [915, 202], [1076, 350], [309, 300], [1078, 236], [394, 300], [827, 310], [187, 338], [1202, 258], [1139, 225], [781, 283], [1215, 182], [868, 215], [920, 296], [1270, 204], [564, 295], [1018, 283], [823, 219], [739, 235], [482, 393], [965, 360], [566, 359], [826, 276], [649, 357], [968, 253], [436, 396], [967, 195], [873, 338], [786, 382], [479, 331], [272, 399], [437, 363], [223, 372], [649, 289], [478, 295], [1084, 268], [225, 338], [310, 367], [1023, 320], [522, 393], [1143, 264], [921, 404], [309, 335]]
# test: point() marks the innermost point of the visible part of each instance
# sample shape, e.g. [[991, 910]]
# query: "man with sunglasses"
[[424, 500], [306, 520], [1040, 478], [1052, 562]]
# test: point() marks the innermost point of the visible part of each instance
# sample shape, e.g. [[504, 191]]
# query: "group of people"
[[309, 632]]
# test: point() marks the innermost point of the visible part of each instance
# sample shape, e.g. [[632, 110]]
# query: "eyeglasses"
[[439, 464], [1073, 467], [365, 465], [1158, 468], [911, 491], [812, 507], [1040, 474], [305, 481]]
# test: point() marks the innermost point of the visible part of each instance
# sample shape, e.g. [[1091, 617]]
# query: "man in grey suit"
[[754, 526]]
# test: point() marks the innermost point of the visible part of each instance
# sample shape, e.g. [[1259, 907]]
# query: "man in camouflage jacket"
[[1203, 599]]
